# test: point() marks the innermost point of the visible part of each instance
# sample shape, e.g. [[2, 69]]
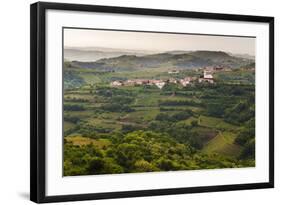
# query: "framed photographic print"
[[129, 102]]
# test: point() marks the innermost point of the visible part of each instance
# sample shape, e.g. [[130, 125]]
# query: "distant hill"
[[247, 56], [178, 52], [189, 60], [96, 53]]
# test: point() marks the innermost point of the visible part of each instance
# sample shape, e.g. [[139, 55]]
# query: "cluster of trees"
[[240, 112], [73, 107], [226, 101], [74, 99], [139, 151], [110, 92], [72, 79], [73, 119], [120, 99], [181, 132], [118, 103], [179, 103], [246, 77], [87, 130], [183, 115], [246, 138], [116, 107]]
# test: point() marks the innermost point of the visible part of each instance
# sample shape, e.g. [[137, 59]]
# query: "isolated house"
[[160, 84], [208, 74], [207, 77]]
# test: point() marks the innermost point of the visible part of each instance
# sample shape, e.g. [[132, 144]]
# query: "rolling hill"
[[96, 53], [189, 60]]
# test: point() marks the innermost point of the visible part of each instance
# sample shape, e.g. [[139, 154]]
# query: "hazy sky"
[[156, 41]]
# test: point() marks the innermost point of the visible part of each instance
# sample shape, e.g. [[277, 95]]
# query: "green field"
[[223, 144], [81, 141], [215, 122]]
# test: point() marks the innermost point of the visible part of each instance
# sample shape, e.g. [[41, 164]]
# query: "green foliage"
[[69, 107], [179, 103], [216, 110], [194, 123], [121, 99], [246, 138], [97, 165], [249, 150], [167, 164], [144, 166], [72, 119], [116, 107], [240, 112], [141, 151], [183, 115], [72, 79]]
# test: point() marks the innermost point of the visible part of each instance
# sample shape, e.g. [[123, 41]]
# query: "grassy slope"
[[68, 125], [80, 141], [222, 144]]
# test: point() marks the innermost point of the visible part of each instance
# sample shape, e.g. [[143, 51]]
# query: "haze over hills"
[[89, 54], [176, 59], [96, 53], [247, 56]]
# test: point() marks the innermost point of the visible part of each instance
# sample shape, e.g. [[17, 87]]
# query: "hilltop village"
[[206, 77]]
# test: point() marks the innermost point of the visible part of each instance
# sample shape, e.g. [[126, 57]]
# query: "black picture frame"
[[38, 101]]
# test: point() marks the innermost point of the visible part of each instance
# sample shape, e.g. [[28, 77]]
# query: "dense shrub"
[[69, 107]]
